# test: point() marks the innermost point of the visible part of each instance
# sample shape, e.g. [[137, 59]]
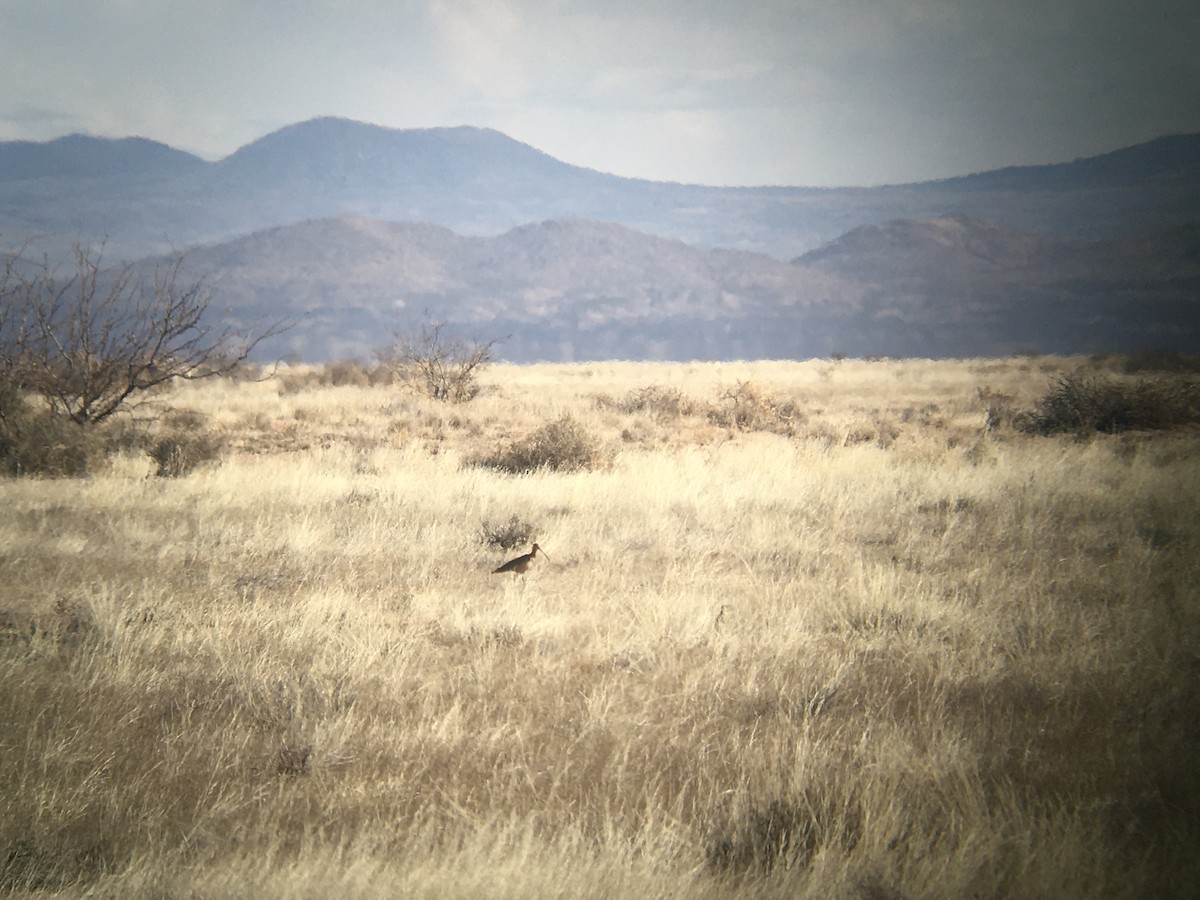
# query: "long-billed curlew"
[[520, 565]]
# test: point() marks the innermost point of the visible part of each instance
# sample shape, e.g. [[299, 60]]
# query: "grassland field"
[[809, 629]]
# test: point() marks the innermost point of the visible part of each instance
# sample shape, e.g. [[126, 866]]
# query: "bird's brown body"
[[520, 565]]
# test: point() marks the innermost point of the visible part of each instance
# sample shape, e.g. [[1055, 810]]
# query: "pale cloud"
[[677, 85], [699, 130], [484, 45]]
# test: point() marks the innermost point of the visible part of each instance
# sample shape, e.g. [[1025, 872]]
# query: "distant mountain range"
[[147, 197], [352, 231], [579, 289]]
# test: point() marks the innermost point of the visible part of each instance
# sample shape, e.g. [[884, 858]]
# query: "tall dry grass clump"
[[959, 662]]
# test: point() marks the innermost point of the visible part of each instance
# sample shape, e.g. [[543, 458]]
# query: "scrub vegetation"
[[816, 629]]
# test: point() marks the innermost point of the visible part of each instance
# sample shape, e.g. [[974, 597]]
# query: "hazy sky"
[[801, 92]]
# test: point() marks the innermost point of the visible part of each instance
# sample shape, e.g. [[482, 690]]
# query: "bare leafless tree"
[[95, 340], [435, 364]]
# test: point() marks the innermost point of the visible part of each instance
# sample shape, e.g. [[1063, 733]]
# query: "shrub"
[[36, 440], [41, 442], [297, 381], [1079, 403], [178, 453], [560, 446], [344, 373], [999, 411], [661, 402], [747, 407], [437, 365], [507, 535]]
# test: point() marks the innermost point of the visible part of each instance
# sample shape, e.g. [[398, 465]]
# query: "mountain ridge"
[[1167, 152], [87, 156], [480, 181], [339, 145], [578, 289]]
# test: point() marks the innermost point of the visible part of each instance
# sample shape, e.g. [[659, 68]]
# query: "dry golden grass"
[[848, 642]]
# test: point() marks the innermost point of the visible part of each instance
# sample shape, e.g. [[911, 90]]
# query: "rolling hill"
[[579, 289]]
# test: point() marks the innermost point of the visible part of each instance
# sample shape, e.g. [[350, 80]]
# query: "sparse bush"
[[1078, 403], [998, 408], [747, 407], [434, 364], [297, 381], [927, 416], [507, 535], [178, 453], [886, 432], [42, 443], [335, 374], [345, 372], [35, 440], [38, 442], [381, 375], [560, 446], [661, 402]]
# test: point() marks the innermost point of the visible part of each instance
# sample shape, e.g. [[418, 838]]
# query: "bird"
[[520, 565]]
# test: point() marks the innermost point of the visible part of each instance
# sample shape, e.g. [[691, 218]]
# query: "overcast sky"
[[799, 92]]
